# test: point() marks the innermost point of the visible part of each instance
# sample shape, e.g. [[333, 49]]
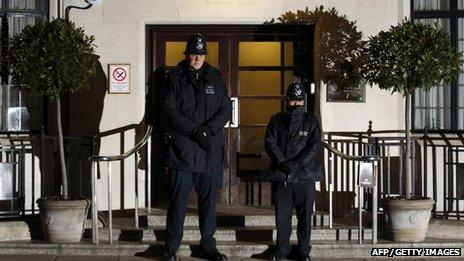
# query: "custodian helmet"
[[196, 45], [296, 91]]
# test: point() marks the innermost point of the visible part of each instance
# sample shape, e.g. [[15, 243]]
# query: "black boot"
[[304, 258], [212, 253], [171, 253], [276, 256], [172, 257]]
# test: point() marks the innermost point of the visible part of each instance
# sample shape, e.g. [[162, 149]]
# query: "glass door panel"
[[265, 69], [252, 140], [257, 112], [259, 54], [259, 83]]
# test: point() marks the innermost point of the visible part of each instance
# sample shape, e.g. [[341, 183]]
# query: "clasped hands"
[[290, 168], [202, 136]]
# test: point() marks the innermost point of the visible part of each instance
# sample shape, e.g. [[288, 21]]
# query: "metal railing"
[[37, 158], [95, 160], [437, 165], [12, 181], [371, 159], [442, 167]]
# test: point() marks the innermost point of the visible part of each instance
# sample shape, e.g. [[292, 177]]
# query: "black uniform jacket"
[[295, 137], [188, 105]]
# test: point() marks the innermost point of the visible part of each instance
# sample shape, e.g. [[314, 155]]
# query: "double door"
[[257, 65]]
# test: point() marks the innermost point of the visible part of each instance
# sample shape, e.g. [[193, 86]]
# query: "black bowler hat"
[[296, 92], [196, 45]]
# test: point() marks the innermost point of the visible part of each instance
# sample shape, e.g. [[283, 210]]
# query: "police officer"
[[196, 106], [292, 141]]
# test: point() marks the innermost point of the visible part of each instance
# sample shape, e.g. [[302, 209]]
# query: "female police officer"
[[292, 141]]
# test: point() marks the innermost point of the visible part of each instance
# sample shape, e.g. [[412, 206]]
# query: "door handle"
[[233, 122]]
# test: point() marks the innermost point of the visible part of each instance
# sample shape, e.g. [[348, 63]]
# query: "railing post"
[[94, 204], [412, 149], [370, 144], [388, 172], [374, 203], [360, 204], [330, 187], [330, 206], [148, 170], [110, 209], [400, 176], [424, 164], [136, 191]]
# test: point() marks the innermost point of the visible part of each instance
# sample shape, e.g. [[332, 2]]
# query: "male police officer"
[[197, 107], [292, 141]]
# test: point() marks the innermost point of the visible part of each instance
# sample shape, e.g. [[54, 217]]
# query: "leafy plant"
[[53, 58], [407, 57], [340, 47]]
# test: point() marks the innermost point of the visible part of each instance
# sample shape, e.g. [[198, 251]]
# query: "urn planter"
[[408, 219], [63, 220]]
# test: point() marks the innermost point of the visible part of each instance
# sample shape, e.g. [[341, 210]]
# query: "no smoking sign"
[[119, 74], [118, 78]]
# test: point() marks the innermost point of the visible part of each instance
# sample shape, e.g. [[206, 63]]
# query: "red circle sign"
[[119, 74]]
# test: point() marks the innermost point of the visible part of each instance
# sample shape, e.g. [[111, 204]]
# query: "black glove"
[[203, 137], [290, 169], [281, 167]]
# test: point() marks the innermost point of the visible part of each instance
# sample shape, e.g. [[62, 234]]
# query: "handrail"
[[369, 159], [95, 159], [115, 131], [126, 154]]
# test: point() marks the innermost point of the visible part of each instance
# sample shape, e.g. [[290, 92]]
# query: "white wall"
[[119, 28]]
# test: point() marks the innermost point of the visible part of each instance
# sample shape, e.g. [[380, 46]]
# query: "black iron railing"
[[437, 166], [36, 168]]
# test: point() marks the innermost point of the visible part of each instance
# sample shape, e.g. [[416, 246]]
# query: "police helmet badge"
[[200, 44]]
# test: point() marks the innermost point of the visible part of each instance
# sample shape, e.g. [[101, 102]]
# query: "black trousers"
[[207, 187], [301, 196]]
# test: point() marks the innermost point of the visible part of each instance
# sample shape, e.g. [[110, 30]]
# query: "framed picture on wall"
[[351, 93]]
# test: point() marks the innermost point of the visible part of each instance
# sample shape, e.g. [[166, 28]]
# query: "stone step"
[[14, 230], [320, 249], [238, 234], [319, 219]]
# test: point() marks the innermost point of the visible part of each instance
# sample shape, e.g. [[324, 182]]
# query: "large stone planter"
[[63, 220], [408, 219]]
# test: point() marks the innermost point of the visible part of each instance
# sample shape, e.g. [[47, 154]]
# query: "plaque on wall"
[[351, 93]]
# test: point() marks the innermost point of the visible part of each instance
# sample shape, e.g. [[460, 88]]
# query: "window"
[[19, 110], [442, 107]]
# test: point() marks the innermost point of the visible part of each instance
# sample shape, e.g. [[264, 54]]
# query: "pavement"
[[134, 258]]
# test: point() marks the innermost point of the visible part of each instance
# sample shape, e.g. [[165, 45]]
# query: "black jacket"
[[294, 137], [188, 105]]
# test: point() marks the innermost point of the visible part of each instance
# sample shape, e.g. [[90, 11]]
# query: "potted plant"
[[53, 59], [407, 57]]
